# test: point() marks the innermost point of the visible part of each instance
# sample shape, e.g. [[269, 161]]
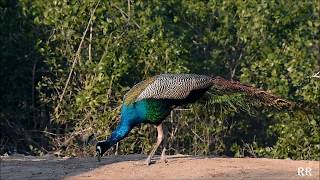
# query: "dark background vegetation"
[[272, 45]]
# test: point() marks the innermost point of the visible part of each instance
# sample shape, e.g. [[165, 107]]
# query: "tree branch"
[[77, 55], [316, 75], [125, 15]]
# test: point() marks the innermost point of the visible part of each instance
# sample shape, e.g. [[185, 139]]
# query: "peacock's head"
[[101, 148]]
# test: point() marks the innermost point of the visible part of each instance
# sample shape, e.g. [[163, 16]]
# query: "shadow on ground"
[[131, 167], [29, 167]]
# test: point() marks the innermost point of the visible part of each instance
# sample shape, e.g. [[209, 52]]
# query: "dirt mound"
[[131, 167]]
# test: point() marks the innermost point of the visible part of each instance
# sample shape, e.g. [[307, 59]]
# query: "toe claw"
[[164, 160]]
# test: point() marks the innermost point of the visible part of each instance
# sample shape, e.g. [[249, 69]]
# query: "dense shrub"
[[272, 45]]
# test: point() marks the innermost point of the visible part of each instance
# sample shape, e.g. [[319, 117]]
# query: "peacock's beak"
[[98, 153]]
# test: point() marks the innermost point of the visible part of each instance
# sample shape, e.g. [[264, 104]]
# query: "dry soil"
[[131, 167]]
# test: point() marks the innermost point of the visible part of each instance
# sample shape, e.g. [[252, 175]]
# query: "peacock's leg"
[[164, 144], [159, 140], [163, 156]]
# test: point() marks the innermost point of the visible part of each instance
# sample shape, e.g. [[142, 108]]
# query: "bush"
[[272, 45]]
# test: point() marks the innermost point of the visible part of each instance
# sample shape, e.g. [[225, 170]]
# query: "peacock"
[[152, 100]]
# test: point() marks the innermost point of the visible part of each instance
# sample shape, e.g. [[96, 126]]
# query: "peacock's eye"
[[99, 149]]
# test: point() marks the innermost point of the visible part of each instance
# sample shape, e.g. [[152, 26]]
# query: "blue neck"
[[131, 115], [119, 133]]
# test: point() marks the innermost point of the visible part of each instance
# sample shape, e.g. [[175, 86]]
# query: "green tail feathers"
[[241, 95]]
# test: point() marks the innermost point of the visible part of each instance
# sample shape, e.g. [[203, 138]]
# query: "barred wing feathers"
[[131, 96], [168, 86]]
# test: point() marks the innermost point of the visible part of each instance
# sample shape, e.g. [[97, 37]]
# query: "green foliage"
[[272, 45], [20, 112]]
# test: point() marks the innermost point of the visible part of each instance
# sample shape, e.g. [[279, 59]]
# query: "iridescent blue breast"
[[146, 111]]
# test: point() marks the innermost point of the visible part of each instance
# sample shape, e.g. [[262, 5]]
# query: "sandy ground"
[[131, 167]]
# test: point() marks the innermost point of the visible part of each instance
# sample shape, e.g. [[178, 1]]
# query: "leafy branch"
[[77, 56]]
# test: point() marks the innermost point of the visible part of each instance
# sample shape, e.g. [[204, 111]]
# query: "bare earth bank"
[[131, 167]]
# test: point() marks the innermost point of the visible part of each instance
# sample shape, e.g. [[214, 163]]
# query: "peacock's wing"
[[179, 86], [167, 86]]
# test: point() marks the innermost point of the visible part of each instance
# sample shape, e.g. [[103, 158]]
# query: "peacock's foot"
[[147, 161], [164, 159]]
